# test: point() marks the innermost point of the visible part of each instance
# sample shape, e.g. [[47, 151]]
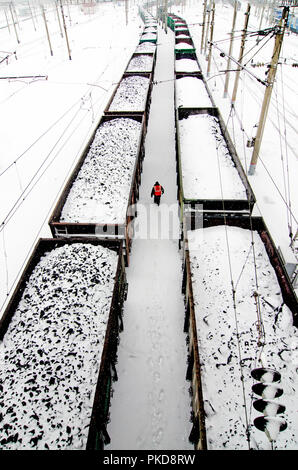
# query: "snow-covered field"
[[236, 336], [51, 352]]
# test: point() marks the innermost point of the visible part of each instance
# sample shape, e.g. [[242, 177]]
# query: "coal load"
[[140, 63], [100, 192], [131, 94], [51, 352]]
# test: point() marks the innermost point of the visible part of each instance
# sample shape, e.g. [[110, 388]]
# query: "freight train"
[[61, 328]]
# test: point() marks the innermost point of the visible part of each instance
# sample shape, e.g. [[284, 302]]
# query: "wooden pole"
[[203, 27], [260, 25], [207, 29], [47, 30], [16, 16], [32, 16], [14, 25], [126, 11], [211, 39], [241, 53], [65, 30], [7, 22], [166, 15], [230, 51], [58, 17], [268, 92]]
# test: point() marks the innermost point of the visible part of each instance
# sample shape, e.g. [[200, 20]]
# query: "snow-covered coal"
[[236, 334], [186, 65], [100, 192], [191, 93], [183, 45], [140, 63], [131, 94], [146, 47], [207, 168], [51, 352]]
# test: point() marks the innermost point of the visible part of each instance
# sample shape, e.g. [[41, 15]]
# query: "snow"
[[274, 182], [186, 65], [230, 342], [52, 349], [146, 47], [211, 174], [100, 192], [152, 393], [183, 45], [191, 93], [48, 123]]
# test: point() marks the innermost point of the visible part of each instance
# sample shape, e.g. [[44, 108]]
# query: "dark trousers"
[[157, 200]]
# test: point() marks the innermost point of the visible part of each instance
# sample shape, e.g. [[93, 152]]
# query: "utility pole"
[[126, 12], [270, 79], [207, 29], [46, 26], [65, 30], [230, 50], [260, 25], [58, 17], [241, 53], [166, 16], [7, 22], [14, 24], [32, 15], [211, 39], [203, 28]]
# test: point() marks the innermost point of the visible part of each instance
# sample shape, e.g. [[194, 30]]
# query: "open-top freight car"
[[141, 62], [59, 339], [132, 95], [209, 173], [190, 91], [100, 196], [242, 317], [191, 59]]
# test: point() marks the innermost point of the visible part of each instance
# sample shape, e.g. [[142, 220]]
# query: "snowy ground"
[[152, 393]]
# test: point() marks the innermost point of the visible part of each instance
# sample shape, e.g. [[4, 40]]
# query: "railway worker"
[[157, 191]]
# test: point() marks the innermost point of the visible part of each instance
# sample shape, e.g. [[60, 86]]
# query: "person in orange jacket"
[[157, 191]]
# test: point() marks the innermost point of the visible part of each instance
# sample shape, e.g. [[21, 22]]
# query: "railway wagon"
[[59, 337], [189, 57], [184, 45], [100, 196], [141, 62], [190, 91], [148, 37], [241, 318], [132, 95], [210, 176]]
